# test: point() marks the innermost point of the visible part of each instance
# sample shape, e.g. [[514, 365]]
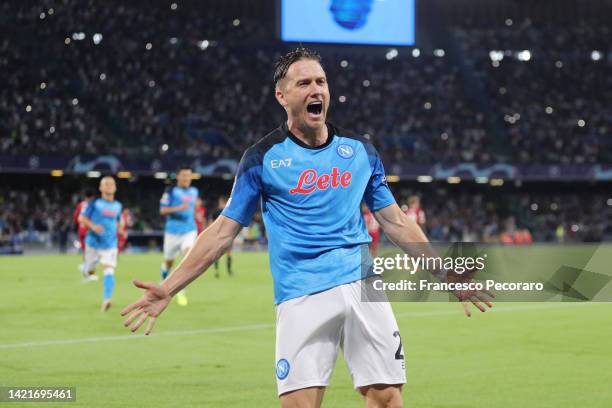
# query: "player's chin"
[[314, 120]]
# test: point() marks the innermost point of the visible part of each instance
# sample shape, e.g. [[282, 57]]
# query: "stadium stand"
[[150, 80]]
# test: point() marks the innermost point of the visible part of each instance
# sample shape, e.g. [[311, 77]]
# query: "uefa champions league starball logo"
[[282, 369], [351, 14]]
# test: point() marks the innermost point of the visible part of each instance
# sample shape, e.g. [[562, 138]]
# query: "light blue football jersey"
[[181, 222], [310, 200], [107, 214]]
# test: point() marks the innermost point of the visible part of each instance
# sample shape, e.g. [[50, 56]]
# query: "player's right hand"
[[152, 303], [98, 229]]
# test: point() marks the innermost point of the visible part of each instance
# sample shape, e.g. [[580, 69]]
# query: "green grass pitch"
[[219, 350]]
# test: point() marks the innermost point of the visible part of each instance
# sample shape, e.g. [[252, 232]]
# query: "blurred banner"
[[113, 164], [208, 166]]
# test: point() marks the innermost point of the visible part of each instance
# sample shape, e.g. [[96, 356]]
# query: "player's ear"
[[280, 96]]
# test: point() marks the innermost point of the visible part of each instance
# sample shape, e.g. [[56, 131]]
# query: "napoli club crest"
[[345, 151], [282, 369]]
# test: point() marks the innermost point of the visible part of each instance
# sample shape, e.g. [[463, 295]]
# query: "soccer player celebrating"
[[178, 206], [311, 177], [101, 217]]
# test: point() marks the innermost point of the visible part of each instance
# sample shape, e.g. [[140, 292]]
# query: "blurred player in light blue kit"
[[178, 206], [101, 217]]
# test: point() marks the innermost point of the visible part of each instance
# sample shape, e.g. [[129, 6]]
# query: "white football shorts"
[[310, 330], [178, 244], [104, 256]]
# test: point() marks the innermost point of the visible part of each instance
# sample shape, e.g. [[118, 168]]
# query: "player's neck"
[[108, 197], [313, 137]]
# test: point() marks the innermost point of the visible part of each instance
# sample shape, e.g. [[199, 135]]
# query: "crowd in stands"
[[485, 217], [86, 78], [162, 78], [451, 216], [549, 87], [28, 216]]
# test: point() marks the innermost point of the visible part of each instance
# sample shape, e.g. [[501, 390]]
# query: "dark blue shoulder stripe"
[[253, 156]]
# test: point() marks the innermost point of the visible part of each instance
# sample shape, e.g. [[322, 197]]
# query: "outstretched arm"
[[171, 210], [89, 224], [406, 234], [210, 246], [400, 229]]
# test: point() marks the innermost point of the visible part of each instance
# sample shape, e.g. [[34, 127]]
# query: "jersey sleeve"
[[89, 209], [246, 190], [165, 199], [377, 194], [120, 213]]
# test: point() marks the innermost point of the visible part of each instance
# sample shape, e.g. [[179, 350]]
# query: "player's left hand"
[[152, 303], [478, 298]]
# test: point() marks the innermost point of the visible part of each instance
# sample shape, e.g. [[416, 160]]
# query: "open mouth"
[[315, 108]]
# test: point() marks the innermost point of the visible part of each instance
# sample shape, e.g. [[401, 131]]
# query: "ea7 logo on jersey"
[[310, 181], [275, 164]]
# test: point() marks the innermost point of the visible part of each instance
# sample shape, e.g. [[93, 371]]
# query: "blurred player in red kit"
[[221, 204], [373, 228], [200, 215], [81, 228], [122, 232], [415, 212]]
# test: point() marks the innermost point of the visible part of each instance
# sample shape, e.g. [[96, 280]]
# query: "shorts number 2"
[[398, 353]]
